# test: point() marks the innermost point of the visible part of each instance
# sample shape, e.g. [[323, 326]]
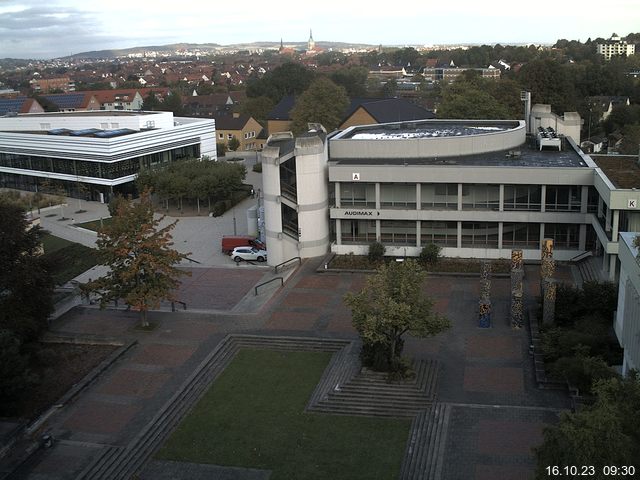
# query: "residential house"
[[123, 99], [615, 47], [242, 127], [605, 104], [46, 85], [73, 102], [22, 104]]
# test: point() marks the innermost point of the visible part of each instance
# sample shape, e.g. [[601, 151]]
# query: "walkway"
[[492, 411]]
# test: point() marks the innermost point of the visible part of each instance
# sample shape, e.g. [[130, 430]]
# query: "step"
[[370, 411]]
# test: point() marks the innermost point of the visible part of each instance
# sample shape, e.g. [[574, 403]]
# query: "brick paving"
[[488, 367]]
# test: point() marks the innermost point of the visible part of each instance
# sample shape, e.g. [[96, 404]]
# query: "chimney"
[[236, 115]]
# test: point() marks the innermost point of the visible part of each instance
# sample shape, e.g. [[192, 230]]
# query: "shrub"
[[429, 255], [115, 203], [581, 371], [233, 144], [221, 149], [15, 375], [376, 252], [257, 168]]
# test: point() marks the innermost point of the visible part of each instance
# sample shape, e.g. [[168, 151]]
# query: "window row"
[[472, 234], [473, 196]]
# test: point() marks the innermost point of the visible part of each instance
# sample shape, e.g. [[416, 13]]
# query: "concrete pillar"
[[418, 239], [543, 199], [607, 221], [377, 196], [582, 237], [501, 207], [500, 228], [600, 203], [459, 235], [459, 196], [612, 267], [378, 232], [614, 227], [541, 234], [584, 199], [338, 231], [337, 194], [418, 196]]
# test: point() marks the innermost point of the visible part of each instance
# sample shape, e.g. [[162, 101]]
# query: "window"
[[358, 231], [443, 234], [439, 196], [398, 232], [480, 197], [480, 235], [398, 195], [522, 197], [357, 195], [229, 136], [521, 235], [221, 136], [565, 236], [563, 198]]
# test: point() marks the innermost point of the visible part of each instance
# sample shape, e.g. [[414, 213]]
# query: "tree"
[[287, 79], [391, 304], [151, 102], [353, 79], [323, 102], [605, 433], [470, 99], [26, 286], [141, 261], [234, 144], [258, 108]]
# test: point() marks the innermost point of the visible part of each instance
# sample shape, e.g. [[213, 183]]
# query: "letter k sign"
[[632, 203]]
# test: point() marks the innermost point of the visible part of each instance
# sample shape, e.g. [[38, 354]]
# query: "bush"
[[257, 168], [221, 149], [376, 252], [114, 204], [581, 371], [429, 255], [233, 144], [15, 375]]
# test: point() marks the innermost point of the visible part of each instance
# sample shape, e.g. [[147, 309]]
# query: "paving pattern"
[[485, 416]]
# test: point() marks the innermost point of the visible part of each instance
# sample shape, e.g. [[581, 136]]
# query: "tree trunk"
[[143, 318], [198, 202]]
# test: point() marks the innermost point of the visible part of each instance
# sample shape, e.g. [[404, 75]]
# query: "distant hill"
[[213, 47]]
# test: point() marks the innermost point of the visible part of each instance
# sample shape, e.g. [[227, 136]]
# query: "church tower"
[[311, 45]]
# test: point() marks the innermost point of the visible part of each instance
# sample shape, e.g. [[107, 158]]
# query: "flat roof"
[[92, 113], [623, 171], [427, 128], [527, 155]]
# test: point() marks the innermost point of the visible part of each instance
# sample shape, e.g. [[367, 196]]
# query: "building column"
[[605, 260], [418, 196], [543, 200], [612, 267], [500, 227], [418, 228], [337, 194], [459, 196], [607, 221], [501, 205], [541, 234], [582, 237], [378, 200], [338, 231], [378, 232], [584, 199], [459, 239], [600, 202], [614, 227]]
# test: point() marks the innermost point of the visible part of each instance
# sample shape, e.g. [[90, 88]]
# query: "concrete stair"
[[369, 393], [590, 268], [425, 447], [122, 463]]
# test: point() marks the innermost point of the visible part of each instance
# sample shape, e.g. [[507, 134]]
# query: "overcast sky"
[[48, 29]]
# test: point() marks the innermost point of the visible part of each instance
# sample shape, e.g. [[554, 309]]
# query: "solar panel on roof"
[[68, 100], [86, 131], [59, 131]]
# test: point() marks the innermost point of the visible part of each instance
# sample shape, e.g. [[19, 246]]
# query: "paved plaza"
[[496, 413], [486, 377]]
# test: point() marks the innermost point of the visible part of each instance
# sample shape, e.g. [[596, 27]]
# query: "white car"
[[248, 253]]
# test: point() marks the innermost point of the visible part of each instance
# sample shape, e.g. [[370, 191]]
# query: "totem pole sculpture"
[[517, 275], [484, 307], [548, 285]]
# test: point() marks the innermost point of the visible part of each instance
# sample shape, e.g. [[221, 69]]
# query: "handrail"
[[581, 256], [269, 281], [275, 270], [192, 260]]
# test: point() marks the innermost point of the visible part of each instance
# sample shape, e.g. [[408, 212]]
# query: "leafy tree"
[[550, 83], [324, 102], [465, 99], [173, 103], [391, 304], [141, 261], [151, 102], [15, 375], [606, 433], [287, 79], [26, 286], [389, 89], [353, 79], [221, 149], [258, 108], [430, 254], [376, 252], [234, 144]]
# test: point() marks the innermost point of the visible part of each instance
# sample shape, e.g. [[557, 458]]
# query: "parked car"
[[229, 242], [248, 253]]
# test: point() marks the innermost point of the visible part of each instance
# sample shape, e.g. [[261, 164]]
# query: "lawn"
[[253, 416], [67, 259]]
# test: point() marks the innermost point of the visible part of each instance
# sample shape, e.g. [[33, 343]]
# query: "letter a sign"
[[355, 177]]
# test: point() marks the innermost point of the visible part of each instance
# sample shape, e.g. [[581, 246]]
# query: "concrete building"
[[476, 188], [627, 317], [102, 151], [615, 47]]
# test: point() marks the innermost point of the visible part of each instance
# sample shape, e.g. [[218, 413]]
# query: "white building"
[[102, 150], [615, 47], [476, 188], [627, 316]]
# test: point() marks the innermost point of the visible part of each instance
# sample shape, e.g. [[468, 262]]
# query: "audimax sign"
[[360, 213]]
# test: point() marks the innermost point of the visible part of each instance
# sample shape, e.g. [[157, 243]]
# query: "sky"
[[44, 30]]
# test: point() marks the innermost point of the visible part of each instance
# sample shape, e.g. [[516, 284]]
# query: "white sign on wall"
[[355, 177], [632, 203]]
